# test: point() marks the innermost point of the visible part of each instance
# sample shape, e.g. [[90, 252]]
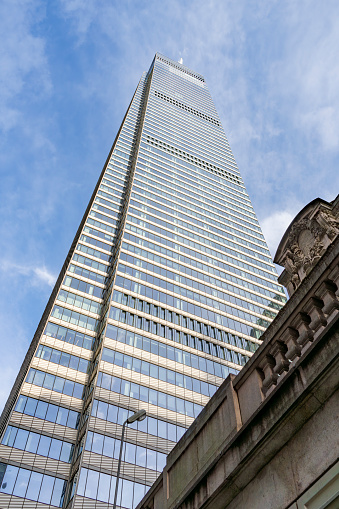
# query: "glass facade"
[[167, 289]]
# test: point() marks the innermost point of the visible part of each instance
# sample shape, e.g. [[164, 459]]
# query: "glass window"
[[87, 343], [68, 387], [104, 487], [95, 406], [72, 419], [51, 330], [180, 432], [66, 452], [32, 442], [106, 382], [162, 429], [129, 455], [83, 365], [21, 439], [112, 413], [44, 445], [9, 436], [52, 413], [34, 486], [153, 396], [152, 426], [155, 347], [151, 459], [139, 491], [46, 489], [127, 493], [136, 365], [62, 416], [89, 441], [55, 357], [41, 410], [196, 385], [123, 414], [9, 478], [82, 482], [73, 362], [78, 390], [140, 456], [138, 341], [108, 450], [154, 372], [92, 484], [45, 353], [49, 382], [21, 404], [72, 337], [112, 492], [98, 442], [59, 384], [21, 483], [39, 378], [161, 461], [58, 491], [171, 432], [162, 400]]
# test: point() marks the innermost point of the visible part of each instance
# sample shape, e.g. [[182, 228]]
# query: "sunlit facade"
[[166, 290]]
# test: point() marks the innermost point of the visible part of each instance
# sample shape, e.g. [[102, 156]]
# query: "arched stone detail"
[[306, 240]]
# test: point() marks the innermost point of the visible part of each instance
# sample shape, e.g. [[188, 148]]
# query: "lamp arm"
[[119, 464]]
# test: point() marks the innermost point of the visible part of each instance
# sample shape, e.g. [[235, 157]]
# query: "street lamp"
[[138, 416]]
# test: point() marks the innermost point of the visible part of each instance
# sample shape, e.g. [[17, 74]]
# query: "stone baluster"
[[270, 378], [301, 324], [290, 337], [326, 293], [334, 277], [314, 310], [278, 352]]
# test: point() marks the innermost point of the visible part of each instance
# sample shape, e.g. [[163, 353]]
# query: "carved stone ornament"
[[306, 240], [329, 222]]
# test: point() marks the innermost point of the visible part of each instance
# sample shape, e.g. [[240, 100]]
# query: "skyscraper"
[[166, 289]]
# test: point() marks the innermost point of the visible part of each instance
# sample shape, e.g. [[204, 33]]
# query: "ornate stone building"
[[268, 438], [306, 240]]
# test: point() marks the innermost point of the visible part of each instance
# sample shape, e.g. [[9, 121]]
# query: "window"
[[31, 485], [55, 383], [39, 444]]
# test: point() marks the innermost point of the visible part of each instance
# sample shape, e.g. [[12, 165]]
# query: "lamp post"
[[138, 416]]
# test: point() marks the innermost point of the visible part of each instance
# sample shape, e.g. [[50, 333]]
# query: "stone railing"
[[311, 310]]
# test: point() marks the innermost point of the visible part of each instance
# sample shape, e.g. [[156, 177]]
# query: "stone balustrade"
[[315, 314], [287, 340]]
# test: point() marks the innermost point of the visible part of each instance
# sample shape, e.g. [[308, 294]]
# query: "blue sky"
[[68, 71]]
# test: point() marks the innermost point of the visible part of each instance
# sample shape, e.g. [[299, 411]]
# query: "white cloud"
[[45, 276], [24, 290], [82, 14], [274, 227], [23, 60], [306, 77], [35, 276], [325, 122]]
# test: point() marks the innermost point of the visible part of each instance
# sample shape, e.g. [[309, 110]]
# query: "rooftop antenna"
[[180, 61]]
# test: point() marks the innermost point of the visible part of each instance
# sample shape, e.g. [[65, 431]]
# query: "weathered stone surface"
[[296, 465]]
